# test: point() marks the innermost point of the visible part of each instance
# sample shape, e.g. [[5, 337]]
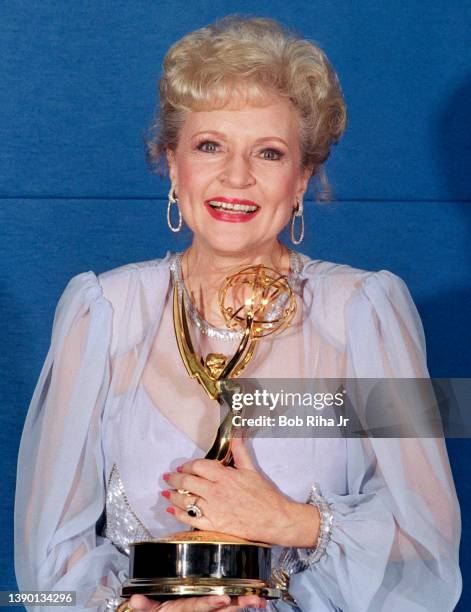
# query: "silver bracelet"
[[312, 555]]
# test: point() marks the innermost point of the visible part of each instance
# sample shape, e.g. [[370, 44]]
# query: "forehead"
[[275, 118]]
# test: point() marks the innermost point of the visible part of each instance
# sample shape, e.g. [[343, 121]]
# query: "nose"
[[237, 172]]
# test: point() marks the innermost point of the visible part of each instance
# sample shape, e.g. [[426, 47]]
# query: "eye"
[[208, 146], [272, 154]]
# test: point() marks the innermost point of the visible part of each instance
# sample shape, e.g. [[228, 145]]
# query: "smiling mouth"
[[232, 207]]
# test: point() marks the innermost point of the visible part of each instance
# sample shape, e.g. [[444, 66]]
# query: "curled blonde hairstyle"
[[252, 57]]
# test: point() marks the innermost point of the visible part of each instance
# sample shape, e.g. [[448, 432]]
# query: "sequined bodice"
[[123, 526]]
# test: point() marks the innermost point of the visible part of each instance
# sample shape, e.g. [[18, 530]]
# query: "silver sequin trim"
[[123, 526], [294, 280], [308, 556]]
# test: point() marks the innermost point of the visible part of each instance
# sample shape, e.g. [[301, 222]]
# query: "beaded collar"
[[294, 280]]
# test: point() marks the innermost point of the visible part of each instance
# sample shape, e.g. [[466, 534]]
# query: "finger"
[[199, 487], [250, 601], [206, 468], [181, 501], [140, 603], [241, 454], [202, 604], [246, 601], [202, 523]]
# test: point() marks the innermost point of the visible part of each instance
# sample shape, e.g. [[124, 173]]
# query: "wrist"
[[301, 529]]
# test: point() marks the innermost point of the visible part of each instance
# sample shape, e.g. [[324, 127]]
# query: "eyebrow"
[[215, 132], [223, 136]]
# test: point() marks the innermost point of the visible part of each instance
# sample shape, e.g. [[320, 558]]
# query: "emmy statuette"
[[258, 302]]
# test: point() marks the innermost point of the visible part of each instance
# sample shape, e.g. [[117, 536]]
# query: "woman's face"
[[237, 174]]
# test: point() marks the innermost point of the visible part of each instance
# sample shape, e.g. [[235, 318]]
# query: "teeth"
[[246, 208]]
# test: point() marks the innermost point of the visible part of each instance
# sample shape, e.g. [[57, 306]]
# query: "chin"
[[232, 245]]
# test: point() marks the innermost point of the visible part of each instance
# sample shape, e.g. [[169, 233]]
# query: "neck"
[[205, 269]]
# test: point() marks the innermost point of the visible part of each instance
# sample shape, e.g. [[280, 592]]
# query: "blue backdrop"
[[78, 89]]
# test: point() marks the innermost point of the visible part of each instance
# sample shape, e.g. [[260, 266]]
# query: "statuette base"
[[196, 563], [168, 588]]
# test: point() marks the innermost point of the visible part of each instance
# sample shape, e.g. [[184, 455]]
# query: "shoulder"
[[132, 295], [148, 276], [341, 282], [340, 297], [114, 285]]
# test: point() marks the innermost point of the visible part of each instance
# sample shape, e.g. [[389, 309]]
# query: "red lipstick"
[[236, 210]]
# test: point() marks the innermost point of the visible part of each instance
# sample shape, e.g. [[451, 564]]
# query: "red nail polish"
[[165, 494], [171, 510], [180, 468], [166, 476]]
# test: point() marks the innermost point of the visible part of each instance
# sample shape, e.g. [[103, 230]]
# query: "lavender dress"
[[114, 409]]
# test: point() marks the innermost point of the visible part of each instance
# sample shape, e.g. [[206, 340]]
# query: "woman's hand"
[[241, 502], [139, 603]]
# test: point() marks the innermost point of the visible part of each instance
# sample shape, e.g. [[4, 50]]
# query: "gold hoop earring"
[[297, 212], [172, 199]]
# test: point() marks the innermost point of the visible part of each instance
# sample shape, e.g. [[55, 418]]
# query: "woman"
[[248, 113]]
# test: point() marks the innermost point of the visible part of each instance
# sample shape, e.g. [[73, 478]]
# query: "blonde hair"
[[254, 56]]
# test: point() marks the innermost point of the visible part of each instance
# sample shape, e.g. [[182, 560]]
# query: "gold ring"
[[184, 492], [124, 607]]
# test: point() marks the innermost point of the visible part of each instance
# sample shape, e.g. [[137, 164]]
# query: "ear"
[[172, 166], [304, 181]]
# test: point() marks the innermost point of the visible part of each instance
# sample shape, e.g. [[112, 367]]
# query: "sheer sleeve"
[[60, 492], [395, 534]]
